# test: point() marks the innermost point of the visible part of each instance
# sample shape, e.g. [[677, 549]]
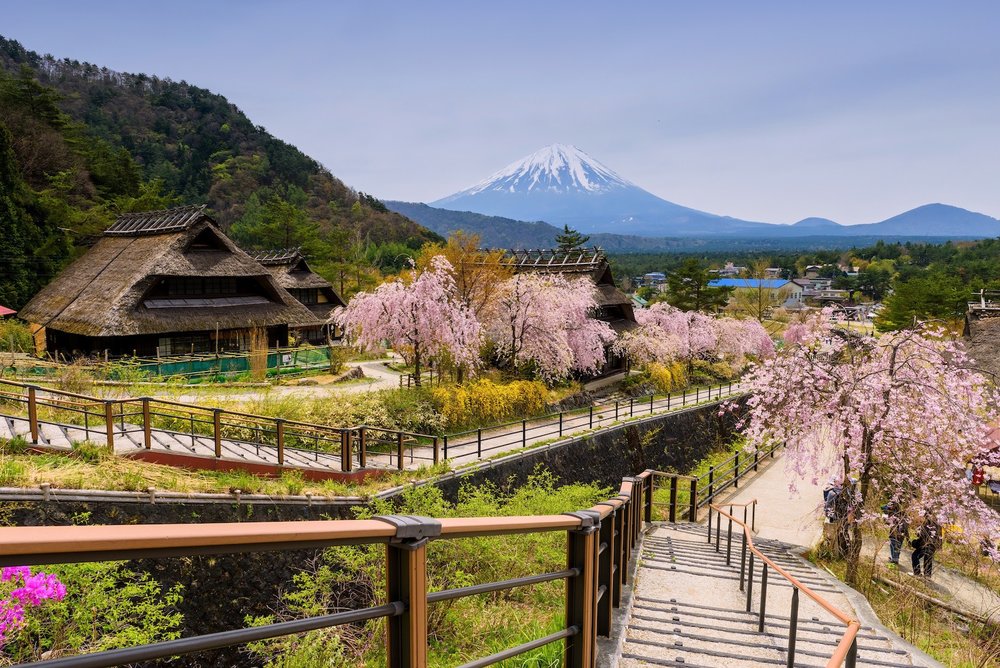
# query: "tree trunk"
[[416, 366]]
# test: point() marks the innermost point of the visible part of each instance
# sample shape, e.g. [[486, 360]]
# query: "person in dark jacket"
[[899, 531], [927, 542]]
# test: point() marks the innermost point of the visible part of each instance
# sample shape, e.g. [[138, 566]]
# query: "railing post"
[[279, 436], [109, 423], [793, 627], [446, 447], [560, 423], [693, 504], [750, 582], [605, 574], [756, 458], [668, 401], [591, 416], [33, 413], [437, 452], [479, 443], [524, 433], [729, 541], [763, 597], [147, 427], [581, 591], [711, 484], [753, 515], [399, 450], [345, 450], [648, 511], [710, 524], [736, 471], [697, 394], [217, 430], [616, 411], [743, 563], [617, 579], [718, 531], [651, 403], [852, 655], [673, 499], [406, 582], [631, 407]]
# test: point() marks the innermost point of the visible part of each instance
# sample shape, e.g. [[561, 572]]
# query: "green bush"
[[107, 606], [460, 630], [15, 337]]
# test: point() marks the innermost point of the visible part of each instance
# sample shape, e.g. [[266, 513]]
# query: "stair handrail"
[[847, 648]]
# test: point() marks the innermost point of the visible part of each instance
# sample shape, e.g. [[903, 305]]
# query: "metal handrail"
[[600, 544], [847, 648]]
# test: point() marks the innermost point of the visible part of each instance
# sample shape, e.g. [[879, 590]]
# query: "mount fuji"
[[561, 184]]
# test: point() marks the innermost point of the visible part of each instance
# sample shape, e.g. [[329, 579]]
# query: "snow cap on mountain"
[[555, 168]]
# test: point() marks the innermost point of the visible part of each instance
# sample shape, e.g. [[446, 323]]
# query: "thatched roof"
[[289, 268], [982, 331], [106, 292], [618, 310]]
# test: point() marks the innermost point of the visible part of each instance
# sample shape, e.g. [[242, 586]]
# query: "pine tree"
[[570, 239]]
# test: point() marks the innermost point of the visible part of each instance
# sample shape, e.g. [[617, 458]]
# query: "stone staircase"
[[688, 609]]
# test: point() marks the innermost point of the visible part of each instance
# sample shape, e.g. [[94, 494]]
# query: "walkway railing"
[[600, 542], [362, 446], [847, 648], [682, 496]]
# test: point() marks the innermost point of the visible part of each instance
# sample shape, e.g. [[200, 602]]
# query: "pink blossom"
[[33, 590], [545, 320], [422, 319]]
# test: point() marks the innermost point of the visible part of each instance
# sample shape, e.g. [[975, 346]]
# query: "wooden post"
[[109, 423], [406, 581], [345, 450], [605, 575], [437, 452], [33, 413], [279, 428], [581, 593], [147, 426], [217, 430]]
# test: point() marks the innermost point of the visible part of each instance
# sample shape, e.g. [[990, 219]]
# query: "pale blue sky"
[[768, 111]]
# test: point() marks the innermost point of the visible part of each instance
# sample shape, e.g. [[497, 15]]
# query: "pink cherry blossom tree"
[[543, 320], [422, 319], [897, 418]]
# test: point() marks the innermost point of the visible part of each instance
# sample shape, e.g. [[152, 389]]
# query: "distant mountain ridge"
[[562, 185]]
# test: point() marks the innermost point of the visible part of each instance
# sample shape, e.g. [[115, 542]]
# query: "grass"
[[950, 639], [91, 467]]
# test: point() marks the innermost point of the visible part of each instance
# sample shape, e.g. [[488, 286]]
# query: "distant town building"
[[789, 291], [167, 282], [654, 278], [728, 271]]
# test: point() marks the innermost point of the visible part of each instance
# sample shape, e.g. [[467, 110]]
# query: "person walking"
[[927, 542], [899, 531]]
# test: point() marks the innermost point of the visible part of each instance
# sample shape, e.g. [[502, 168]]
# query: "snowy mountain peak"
[[558, 168]]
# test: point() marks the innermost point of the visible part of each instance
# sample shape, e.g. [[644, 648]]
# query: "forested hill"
[[80, 143]]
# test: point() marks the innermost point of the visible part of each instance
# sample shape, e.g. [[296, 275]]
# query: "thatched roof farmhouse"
[[291, 271], [166, 282]]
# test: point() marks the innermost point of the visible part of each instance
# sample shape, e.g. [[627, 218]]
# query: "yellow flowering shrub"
[[484, 401], [667, 377]]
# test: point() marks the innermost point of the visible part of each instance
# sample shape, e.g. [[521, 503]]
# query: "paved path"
[[464, 449]]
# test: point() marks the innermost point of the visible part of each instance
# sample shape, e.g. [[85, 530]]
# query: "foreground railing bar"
[[203, 643], [521, 649], [472, 590]]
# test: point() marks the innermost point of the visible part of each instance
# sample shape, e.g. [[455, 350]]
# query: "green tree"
[[569, 239], [688, 288], [936, 296]]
